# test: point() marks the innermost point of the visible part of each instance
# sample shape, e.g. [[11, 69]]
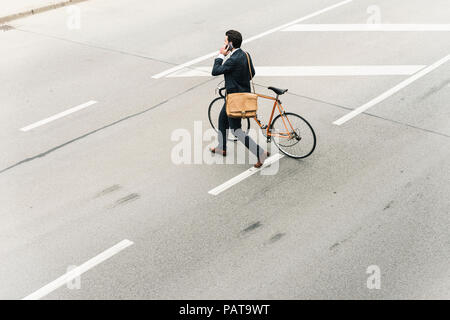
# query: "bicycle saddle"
[[277, 90]]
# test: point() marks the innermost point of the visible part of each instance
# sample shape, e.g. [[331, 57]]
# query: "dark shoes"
[[262, 159], [219, 151]]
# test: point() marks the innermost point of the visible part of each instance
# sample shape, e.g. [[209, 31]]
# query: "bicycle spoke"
[[293, 135]]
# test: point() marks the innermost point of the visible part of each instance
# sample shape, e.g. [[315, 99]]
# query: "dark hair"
[[235, 37]]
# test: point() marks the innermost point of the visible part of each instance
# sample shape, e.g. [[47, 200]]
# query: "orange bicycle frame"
[[277, 103]]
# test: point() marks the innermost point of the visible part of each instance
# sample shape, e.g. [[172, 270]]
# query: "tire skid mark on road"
[[108, 190], [251, 227], [348, 238], [388, 205], [276, 237], [127, 199]]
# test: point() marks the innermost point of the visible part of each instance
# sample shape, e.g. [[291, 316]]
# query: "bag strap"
[[250, 70]]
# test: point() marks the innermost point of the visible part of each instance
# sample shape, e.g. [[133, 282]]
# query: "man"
[[237, 79]]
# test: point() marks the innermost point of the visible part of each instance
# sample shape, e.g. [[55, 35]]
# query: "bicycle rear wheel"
[[213, 115], [293, 135]]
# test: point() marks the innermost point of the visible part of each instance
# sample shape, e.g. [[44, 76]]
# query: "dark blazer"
[[235, 70]]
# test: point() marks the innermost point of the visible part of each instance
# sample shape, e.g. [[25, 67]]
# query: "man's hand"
[[223, 51]]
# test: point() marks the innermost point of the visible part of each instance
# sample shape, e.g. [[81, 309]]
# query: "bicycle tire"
[[288, 149]]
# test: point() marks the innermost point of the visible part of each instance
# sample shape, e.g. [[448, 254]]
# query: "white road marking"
[[391, 91], [212, 54], [244, 175], [76, 272], [58, 116], [368, 27], [313, 71]]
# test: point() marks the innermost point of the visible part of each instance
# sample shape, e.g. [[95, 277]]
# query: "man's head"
[[234, 37]]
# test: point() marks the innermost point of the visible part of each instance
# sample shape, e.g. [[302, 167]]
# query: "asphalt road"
[[374, 193]]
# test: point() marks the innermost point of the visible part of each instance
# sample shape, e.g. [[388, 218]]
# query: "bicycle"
[[288, 129]]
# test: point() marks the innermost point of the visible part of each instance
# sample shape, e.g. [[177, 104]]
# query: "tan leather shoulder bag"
[[242, 104]]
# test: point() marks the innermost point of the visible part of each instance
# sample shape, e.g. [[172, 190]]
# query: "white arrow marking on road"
[[58, 116], [312, 71], [367, 27], [391, 91], [76, 272]]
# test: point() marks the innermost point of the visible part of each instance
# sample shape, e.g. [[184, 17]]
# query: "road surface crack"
[[45, 153]]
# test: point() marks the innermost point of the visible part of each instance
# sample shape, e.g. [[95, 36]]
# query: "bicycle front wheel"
[[293, 135], [213, 115]]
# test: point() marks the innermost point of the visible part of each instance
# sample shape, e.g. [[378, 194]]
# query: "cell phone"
[[229, 47]]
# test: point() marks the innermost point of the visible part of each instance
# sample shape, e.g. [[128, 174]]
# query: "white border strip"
[[313, 71], [244, 175], [76, 272], [391, 91], [212, 54], [58, 116], [368, 27]]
